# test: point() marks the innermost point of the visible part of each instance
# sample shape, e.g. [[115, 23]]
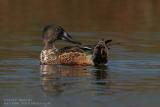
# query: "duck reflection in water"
[[55, 79], [101, 72], [102, 80], [60, 79]]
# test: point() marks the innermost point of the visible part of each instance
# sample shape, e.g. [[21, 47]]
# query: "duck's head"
[[52, 33], [100, 52]]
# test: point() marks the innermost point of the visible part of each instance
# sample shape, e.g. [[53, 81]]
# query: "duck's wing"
[[86, 47], [71, 49], [74, 55], [78, 48]]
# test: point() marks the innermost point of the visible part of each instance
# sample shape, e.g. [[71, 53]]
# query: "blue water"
[[131, 78]]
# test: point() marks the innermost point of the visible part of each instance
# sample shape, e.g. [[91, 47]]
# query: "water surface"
[[131, 78]]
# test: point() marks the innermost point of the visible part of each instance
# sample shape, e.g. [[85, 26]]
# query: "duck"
[[84, 55]]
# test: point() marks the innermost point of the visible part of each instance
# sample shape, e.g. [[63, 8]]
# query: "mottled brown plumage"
[[68, 57], [75, 58], [73, 55]]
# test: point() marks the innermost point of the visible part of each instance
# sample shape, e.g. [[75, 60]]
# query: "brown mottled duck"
[[71, 55]]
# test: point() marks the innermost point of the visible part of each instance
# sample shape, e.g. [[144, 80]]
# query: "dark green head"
[[52, 33]]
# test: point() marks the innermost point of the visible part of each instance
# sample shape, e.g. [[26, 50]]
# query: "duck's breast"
[[48, 57]]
